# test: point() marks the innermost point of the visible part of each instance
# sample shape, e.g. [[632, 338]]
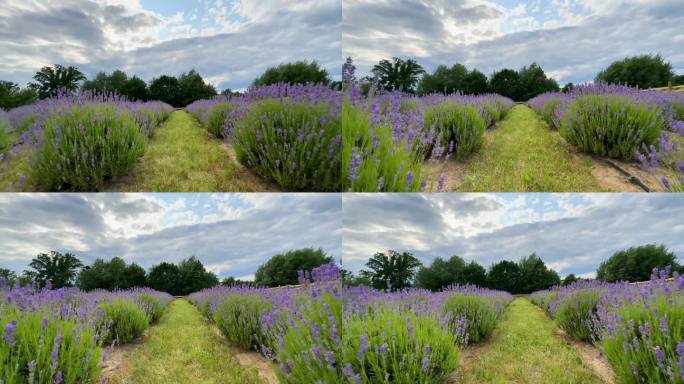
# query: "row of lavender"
[[323, 332], [639, 328], [621, 122], [388, 136], [79, 141], [289, 134], [58, 336]]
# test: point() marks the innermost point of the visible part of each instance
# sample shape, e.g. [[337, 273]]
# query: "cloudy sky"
[[232, 234], [572, 233], [230, 42], [571, 39]]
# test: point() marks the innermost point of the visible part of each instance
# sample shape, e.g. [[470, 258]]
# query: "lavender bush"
[[414, 335], [300, 328], [622, 122], [56, 336], [81, 141], [290, 134], [639, 328], [4, 133], [388, 135]]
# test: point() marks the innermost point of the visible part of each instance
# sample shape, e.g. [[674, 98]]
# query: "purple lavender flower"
[[10, 330]]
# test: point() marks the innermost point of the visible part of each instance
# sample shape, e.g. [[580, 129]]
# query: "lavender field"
[[61, 335], [638, 327], [596, 137], [287, 136]]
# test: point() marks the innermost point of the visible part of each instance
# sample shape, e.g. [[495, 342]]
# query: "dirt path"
[[184, 348], [522, 154], [183, 157], [527, 347]]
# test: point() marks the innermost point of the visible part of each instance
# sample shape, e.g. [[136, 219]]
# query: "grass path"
[[183, 157], [526, 347], [182, 348], [521, 154]]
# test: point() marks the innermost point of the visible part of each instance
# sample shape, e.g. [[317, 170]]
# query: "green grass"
[[526, 348], [183, 157], [522, 154], [182, 348]]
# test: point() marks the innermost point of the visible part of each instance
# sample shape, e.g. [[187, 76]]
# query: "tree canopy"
[[457, 78], [12, 96], [392, 270], [282, 268], [636, 263], [645, 71], [112, 274], [299, 72], [398, 74], [54, 267], [133, 88], [51, 80]]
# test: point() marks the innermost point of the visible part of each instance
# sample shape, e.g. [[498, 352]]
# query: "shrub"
[[611, 125], [646, 343], [371, 161], [151, 305], [576, 314], [310, 350], [294, 143], [83, 146], [4, 133], [39, 348], [388, 345], [124, 320], [216, 118], [238, 316], [470, 315], [460, 127]]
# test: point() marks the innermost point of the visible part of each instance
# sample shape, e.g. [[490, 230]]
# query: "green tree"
[[475, 83], [51, 80], [281, 269], [645, 71], [299, 72], [167, 89], [398, 74], [193, 88], [164, 277], [506, 82], [475, 274], [11, 96], [504, 276], [230, 281], [351, 280], [567, 88], [533, 82], [569, 279], [135, 89], [7, 277], [27, 278], [535, 276], [678, 80], [194, 277], [444, 80], [112, 274], [58, 269], [392, 270], [441, 273], [636, 263]]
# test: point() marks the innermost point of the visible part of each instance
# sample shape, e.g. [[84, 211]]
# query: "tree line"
[[394, 270], [60, 270], [645, 71], [178, 91]]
